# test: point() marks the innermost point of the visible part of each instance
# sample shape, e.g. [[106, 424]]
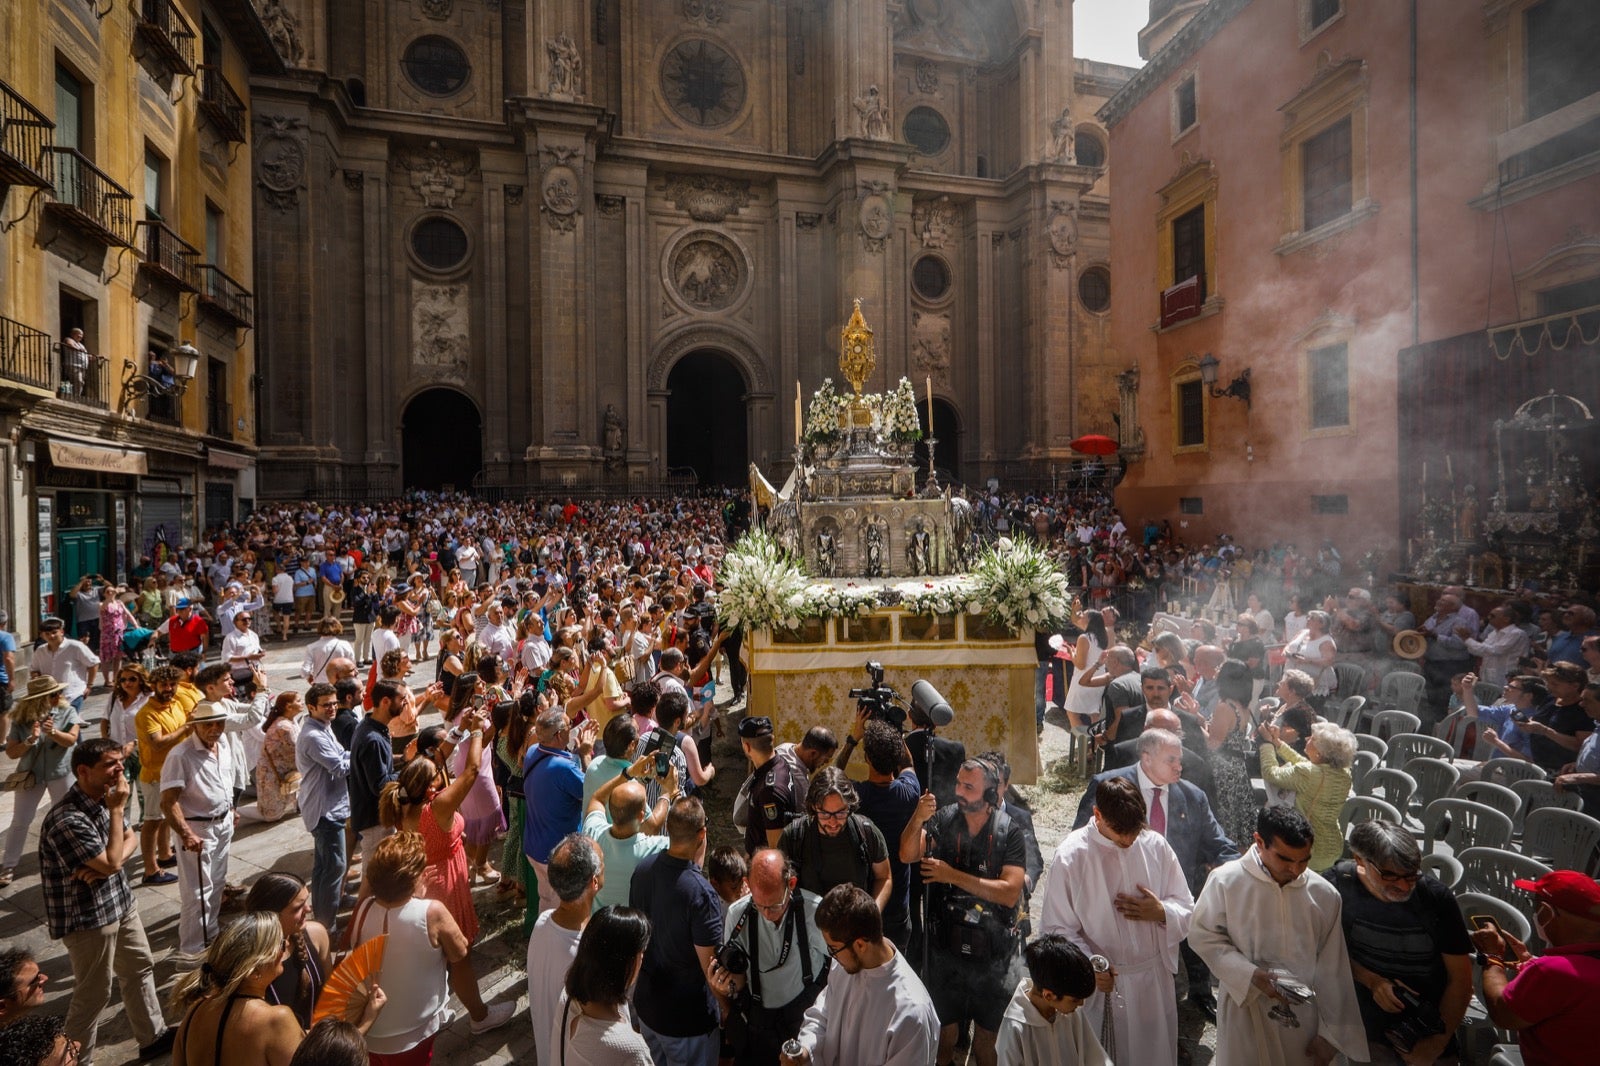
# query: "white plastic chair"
[[1567, 838], [1402, 692], [1457, 824], [1386, 724], [1490, 794]]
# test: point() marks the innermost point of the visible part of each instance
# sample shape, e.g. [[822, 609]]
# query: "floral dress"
[[113, 623], [445, 878], [1236, 796], [277, 780]]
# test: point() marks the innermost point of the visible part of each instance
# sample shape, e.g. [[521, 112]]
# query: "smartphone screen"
[[1483, 921]]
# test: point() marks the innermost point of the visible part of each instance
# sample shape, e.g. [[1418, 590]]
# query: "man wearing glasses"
[[1409, 950], [324, 765], [89, 906], [785, 961], [875, 1009]]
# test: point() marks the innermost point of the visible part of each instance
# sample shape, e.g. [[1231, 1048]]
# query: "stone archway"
[[947, 450], [441, 435], [707, 418]]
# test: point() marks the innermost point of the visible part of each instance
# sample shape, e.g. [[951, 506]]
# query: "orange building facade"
[[1310, 198]]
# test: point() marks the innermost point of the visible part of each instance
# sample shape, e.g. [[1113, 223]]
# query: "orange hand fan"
[[350, 984]]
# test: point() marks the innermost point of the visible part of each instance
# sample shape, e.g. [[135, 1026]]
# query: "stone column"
[[379, 381], [496, 359]]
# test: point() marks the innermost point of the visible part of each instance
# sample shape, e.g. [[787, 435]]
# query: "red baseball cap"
[[1567, 890]]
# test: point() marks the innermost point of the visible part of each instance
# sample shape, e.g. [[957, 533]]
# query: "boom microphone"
[[928, 704]]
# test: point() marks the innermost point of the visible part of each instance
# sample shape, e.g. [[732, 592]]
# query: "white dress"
[[1089, 872], [1085, 699]]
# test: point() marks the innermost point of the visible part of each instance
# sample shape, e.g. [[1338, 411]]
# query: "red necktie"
[[1158, 813]]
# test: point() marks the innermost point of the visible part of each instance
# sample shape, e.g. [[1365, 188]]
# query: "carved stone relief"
[[927, 77], [930, 341], [706, 273], [610, 206], [566, 66], [439, 318], [873, 114], [280, 161], [1061, 144], [704, 12], [1061, 226], [558, 194], [283, 29], [875, 216], [514, 195], [437, 9], [707, 197], [934, 222], [438, 174], [805, 220]]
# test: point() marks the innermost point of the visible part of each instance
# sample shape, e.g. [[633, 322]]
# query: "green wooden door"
[[78, 552]]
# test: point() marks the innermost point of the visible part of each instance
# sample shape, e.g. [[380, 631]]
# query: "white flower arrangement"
[[822, 418], [900, 421], [1020, 587], [1017, 586]]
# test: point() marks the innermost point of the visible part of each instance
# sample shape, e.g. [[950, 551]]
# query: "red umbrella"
[[1095, 444]]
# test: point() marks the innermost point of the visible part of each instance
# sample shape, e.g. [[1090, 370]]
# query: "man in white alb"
[[874, 1010], [1117, 889], [1264, 916]]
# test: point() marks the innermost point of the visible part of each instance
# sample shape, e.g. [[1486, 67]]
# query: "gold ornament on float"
[[856, 358]]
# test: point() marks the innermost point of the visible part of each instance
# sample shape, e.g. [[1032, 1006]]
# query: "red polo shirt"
[[1555, 994], [187, 636]]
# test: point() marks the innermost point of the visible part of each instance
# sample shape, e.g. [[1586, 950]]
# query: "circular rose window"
[[436, 65], [702, 83]]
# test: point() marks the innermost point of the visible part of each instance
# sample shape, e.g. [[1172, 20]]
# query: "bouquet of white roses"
[[1018, 586], [822, 418], [944, 595], [759, 586], [900, 421]]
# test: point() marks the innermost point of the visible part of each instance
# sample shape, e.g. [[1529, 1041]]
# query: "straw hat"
[[336, 595], [1410, 644], [208, 712], [36, 702]]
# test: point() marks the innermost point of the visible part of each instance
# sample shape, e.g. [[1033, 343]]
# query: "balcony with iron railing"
[[85, 377], [220, 104], [24, 138], [166, 256], [86, 199], [25, 355], [165, 37], [224, 297]]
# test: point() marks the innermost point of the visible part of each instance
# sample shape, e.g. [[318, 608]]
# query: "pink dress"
[[445, 878], [113, 623], [277, 779], [481, 809]]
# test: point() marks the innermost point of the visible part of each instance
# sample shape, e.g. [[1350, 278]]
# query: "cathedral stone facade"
[[569, 241]]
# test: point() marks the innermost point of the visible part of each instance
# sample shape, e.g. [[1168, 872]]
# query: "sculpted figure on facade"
[[930, 341], [934, 222], [615, 433], [439, 327], [566, 66], [283, 29], [874, 114], [827, 553], [1061, 138]]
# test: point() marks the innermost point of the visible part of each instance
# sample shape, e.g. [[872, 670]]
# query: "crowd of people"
[[560, 754]]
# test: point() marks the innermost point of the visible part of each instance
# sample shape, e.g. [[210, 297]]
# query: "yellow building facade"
[[127, 318]]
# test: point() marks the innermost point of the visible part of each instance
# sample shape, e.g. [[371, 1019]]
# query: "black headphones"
[[991, 783]]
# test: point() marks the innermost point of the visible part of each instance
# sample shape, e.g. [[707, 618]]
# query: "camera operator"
[[773, 962], [889, 798], [973, 860], [774, 786]]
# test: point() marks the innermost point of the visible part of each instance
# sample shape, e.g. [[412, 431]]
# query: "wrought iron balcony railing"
[[25, 355], [87, 199], [24, 136], [85, 377], [225, 297], [221, 104], [166, 35], [168, 256]]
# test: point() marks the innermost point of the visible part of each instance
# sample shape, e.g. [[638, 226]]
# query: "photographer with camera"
[[973, 860], [772, 964], [1409, 949]]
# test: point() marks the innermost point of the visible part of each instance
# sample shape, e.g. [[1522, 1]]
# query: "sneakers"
[[7, 876], [498, 1015]]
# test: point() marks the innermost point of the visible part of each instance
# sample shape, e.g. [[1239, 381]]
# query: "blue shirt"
[[1498, 718], [1567, 647], [890, 807], [552, 782], [371, 767], [332, 571], [324, 766], [685, 912], [1589, 755], [8, 643]]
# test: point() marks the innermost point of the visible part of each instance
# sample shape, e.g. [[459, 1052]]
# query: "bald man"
[[615, 820]]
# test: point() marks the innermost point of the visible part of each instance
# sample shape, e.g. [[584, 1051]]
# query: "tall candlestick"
[[930, 404], [797, 410]]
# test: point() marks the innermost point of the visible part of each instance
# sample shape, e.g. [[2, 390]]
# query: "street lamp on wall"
[[1238, 388], [183, 362]]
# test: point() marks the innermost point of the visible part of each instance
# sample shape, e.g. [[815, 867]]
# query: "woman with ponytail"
[[310, 956], [226, 1015], [425, 800]]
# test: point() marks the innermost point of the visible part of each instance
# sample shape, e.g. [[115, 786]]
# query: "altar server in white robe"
[[1117, 890], [1043, 1025], [874, 1010], [1265, 912]]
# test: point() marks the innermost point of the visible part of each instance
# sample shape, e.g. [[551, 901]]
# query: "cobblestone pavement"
[[499, 956]]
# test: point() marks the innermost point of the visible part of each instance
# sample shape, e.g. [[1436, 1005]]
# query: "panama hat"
[[1410, 644]]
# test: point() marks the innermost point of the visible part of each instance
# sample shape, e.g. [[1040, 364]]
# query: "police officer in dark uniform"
[[776, 792]]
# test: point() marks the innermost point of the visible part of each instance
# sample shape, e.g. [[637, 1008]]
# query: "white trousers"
[[201, 880], [25, 806]]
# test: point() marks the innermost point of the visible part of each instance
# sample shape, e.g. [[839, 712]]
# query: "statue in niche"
[[827, 553], [919, 550], [615, 432], [874, 552]]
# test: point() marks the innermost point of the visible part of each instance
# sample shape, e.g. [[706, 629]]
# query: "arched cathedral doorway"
[[441, 437], [707, 421]]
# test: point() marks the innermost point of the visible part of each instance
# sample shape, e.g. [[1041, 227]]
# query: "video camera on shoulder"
[[883, 703]]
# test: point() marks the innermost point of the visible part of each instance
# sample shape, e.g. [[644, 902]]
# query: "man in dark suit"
[[1179, 811], [1196, 759], [1155, 685]]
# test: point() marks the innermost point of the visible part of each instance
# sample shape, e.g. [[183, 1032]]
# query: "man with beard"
[[973, 860], [1409, 949]]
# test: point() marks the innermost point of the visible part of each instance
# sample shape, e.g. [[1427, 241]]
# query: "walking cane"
[[1108, 1025], [200, 883]]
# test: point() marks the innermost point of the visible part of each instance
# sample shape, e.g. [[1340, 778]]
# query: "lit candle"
[[930, 406]]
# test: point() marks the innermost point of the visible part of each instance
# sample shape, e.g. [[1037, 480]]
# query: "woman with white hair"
[[1314, 652], [1320, 780]]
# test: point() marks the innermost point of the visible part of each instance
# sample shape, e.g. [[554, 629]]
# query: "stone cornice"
[[1177, 51]]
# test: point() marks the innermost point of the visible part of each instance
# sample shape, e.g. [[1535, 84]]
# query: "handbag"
[[19, 781]]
